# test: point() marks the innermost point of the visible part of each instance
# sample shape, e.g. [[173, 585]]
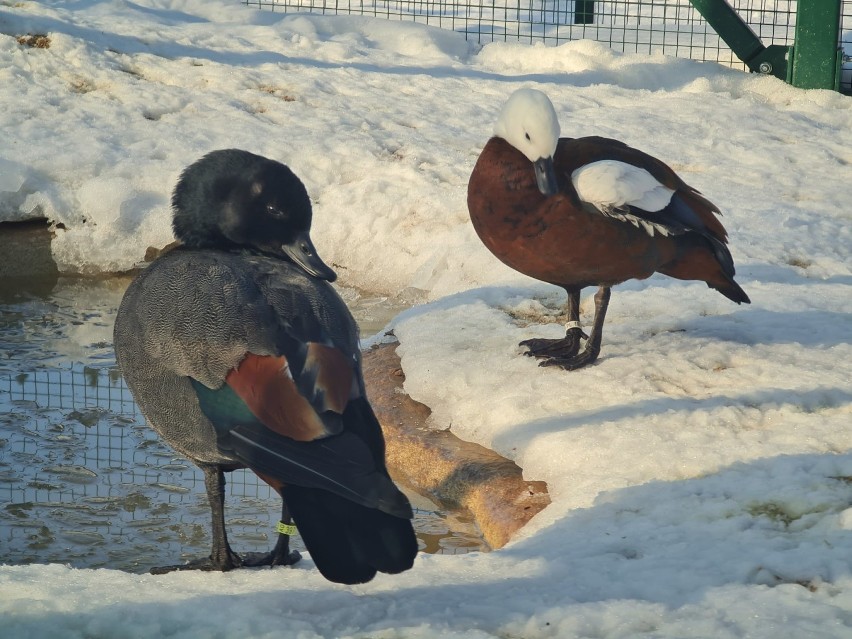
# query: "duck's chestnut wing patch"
[[303, 402], [327, 377], [265, 384]]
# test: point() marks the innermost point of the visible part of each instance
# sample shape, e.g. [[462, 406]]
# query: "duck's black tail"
[[348, 542], [730, 289]]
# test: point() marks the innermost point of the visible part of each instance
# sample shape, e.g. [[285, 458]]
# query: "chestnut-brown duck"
[[592, 211]]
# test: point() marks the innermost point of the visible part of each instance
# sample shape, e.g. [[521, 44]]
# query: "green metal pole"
[[816, 61], [730, 27], [742, 40]]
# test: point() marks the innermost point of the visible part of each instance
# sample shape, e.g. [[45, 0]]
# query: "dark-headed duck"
[[578, 212], [241, 354]]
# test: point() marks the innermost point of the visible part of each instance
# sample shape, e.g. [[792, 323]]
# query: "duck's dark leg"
[[593, 344], [221, 557], [567, 346], [281, 555]]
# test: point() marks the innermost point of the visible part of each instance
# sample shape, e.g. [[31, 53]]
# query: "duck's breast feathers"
[[626, 184]]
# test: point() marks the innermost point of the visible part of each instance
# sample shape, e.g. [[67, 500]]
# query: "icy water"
[[85, 482]]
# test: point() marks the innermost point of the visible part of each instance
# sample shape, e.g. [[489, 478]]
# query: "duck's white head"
[[528, 122]]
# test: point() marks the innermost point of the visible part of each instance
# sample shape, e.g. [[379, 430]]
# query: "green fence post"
[[730, 27], [816, 55]]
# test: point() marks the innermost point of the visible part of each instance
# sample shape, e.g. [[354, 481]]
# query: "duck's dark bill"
[[302, 252], [545, 176]]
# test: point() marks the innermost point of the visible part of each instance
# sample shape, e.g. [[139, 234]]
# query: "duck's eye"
[[274, 211], [527, 136]]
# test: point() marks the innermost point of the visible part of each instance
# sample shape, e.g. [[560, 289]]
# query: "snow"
[[700, 472]]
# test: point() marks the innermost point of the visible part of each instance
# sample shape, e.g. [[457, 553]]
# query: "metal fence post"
[[742, 40], [584, 11], [816, 55]]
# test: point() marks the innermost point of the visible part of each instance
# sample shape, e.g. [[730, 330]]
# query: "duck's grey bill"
[[302, 252], [545, 176]]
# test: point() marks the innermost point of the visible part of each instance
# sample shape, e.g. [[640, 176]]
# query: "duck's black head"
[[232, 199]]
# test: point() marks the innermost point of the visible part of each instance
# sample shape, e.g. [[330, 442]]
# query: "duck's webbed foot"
[[572, 363], [222, 563], [590, 353], [221, 557], [256, 559], [275, 557], [281, 555], [563, 348]]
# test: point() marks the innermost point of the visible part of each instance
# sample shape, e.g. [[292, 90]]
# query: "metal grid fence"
[[84, 480], [846, 45], [670, 27]]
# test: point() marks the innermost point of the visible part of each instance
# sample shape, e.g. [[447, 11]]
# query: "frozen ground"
[[701, 472]]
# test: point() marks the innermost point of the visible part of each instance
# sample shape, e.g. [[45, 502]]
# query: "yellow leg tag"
[[285, 529]]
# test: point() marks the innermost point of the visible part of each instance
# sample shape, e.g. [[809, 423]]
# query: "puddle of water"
[[83, 479]]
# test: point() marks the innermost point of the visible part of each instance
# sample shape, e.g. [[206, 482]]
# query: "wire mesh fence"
[[670, 27], [846, 47], [84, 480]]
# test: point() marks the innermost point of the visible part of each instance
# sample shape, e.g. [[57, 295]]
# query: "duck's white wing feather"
[[623, 191], [610, 184]]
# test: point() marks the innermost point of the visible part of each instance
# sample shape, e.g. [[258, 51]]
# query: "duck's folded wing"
[[301, 395], [207, 316], [631, 194], [341, 464], [624, 183], [262, 418]]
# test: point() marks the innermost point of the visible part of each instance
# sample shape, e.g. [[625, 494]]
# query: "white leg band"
[[572, 324]]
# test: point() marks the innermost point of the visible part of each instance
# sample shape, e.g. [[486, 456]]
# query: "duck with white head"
[[591, 211]]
